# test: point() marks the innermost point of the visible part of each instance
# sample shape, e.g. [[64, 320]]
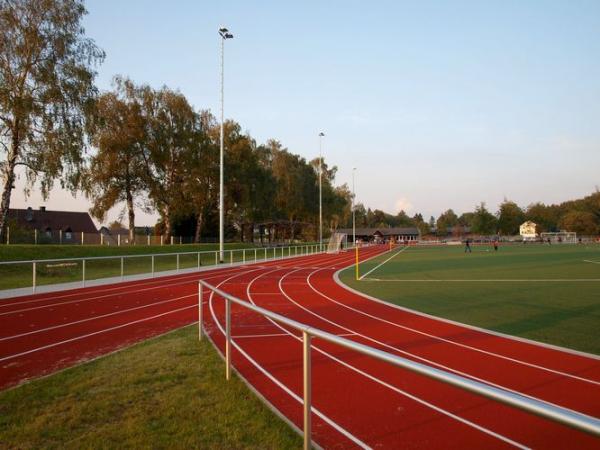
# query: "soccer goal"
[[565, 237], [335, 242]]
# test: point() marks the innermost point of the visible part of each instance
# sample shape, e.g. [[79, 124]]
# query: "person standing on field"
[[468, 246], [495, 245]]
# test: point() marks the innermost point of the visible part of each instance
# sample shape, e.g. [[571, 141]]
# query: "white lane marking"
[[490, 280], [188, 280], [113, 287], [83, 336], [336, 277], [383, 383], [379, 265], [518, 361], [280, 384], [248, 336], [102, 316]]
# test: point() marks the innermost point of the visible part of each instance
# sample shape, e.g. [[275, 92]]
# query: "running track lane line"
[[352, 368], [449, 341], [400, 351], [278, 383], [379, 381], [106, 330], [218, 272]]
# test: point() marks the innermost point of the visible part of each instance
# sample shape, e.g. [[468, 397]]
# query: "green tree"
[[46, 92], [466, 219], [545, 217], [115, 173], [484, 222], [446, 220], [172, 129], [581, 222], [510, 217]]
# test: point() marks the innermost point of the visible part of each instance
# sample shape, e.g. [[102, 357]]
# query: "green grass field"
[[20, 275], [168, 392], [546, 293]]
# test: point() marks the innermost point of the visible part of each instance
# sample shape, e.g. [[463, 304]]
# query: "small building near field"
[[528, 230], [52, 226], [383, 234]]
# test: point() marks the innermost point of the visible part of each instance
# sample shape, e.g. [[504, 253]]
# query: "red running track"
[[358, 402]]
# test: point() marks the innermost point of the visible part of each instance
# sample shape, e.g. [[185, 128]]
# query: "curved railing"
[[543, 409]]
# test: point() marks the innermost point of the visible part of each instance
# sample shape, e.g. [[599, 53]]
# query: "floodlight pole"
[[224, 33], [353, 209], [321, 134]]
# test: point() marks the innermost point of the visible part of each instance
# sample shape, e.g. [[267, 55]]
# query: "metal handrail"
[[90, 258], [541, 408], [256, 254]]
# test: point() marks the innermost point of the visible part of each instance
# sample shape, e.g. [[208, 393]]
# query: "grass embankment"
[[169, 392], [564, 312], [20, 275]]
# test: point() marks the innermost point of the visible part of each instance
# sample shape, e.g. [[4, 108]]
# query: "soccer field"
[[546, 293]]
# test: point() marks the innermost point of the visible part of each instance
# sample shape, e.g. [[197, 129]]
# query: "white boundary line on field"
[[336, 277], [379, 265], [590, 261]]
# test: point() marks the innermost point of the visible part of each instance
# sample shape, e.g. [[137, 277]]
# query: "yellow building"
[[528, 230]]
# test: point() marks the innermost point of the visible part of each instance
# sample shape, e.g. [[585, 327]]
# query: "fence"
[[558, 414], [34, 273], [60, 237]]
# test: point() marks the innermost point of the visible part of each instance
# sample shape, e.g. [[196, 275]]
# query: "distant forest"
[[581, 215]]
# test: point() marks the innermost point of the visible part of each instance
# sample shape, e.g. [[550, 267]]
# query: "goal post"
[[564, 237], [335, 242]]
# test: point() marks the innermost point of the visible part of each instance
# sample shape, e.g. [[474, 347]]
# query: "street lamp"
[[225, 34], [353, 209], [321, 134]]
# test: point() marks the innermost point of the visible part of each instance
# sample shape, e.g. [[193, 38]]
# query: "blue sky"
[[439, 104]]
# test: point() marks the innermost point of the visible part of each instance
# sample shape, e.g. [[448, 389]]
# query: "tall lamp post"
[[353, 209], [321, 134], [225, 34]]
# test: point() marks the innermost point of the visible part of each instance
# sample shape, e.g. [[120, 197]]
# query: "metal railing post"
[[227, 339], [83, 273], [152, 266], [35, 236], [265, 253], [148, 239], [231, 257], [216, 258], [177, 269], [82, 238], [118, 240], [307, 387], [244, 256], [122, 268], [199, 262], [34, 270], [255, 255], [199, 311]]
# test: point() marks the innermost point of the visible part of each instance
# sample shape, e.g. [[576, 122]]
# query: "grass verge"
[[168, 392]]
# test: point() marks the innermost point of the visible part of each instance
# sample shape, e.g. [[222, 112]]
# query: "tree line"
[[581, 216], [146, 148]]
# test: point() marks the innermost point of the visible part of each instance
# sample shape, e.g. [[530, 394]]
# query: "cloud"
[[403, 204]]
